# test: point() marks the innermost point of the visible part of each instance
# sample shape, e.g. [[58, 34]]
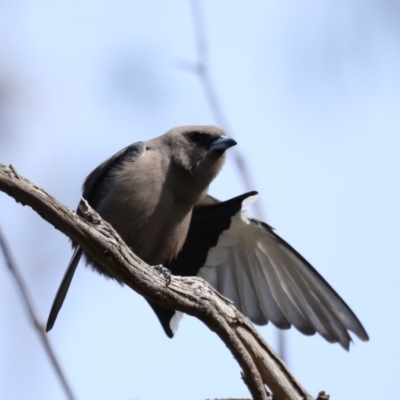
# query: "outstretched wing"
[[246, 261]]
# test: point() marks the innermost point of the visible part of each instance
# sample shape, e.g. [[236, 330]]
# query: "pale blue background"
[[312, 92]]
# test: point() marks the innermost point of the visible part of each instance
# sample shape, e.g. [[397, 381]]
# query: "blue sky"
[[311, 93]]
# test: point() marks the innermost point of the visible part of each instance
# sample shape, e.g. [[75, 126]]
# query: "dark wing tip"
[[52, 316], [164, 315], [361, 333], [55, 308], [63, 289], [50, 323]]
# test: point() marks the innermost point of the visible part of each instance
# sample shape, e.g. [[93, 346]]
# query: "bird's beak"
[[222, 143]]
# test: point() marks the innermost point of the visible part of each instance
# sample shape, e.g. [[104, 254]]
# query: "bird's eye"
[[198, 137], [201, 139]]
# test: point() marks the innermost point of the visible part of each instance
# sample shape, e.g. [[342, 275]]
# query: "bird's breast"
[[154, 225], [162, 234], [150, 209]]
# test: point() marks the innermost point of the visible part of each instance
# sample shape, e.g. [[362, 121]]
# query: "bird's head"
[[199, 150]]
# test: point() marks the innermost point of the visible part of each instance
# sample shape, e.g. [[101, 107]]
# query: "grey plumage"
[[147, 192], [154, 193]]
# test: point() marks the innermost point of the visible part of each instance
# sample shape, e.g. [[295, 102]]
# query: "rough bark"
[[259, 363]]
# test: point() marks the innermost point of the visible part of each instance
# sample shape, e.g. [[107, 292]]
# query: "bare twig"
[[203, 71], [28, 302], [194, 296]]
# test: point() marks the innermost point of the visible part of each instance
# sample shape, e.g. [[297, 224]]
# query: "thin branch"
[[39, 327], [194, 296], [203, 71]]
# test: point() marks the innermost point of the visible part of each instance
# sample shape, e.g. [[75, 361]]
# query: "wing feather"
[[92, 188], [270, 281]]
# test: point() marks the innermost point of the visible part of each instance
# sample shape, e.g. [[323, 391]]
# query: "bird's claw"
[[165, 272]]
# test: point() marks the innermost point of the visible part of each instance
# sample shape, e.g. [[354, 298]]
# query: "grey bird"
[[155, 195]]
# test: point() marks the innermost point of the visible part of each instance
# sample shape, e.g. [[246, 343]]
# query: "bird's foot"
[[165, 272]]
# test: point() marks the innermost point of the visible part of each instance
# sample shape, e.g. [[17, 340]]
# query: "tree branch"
[[28, 302], [194, 296]]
